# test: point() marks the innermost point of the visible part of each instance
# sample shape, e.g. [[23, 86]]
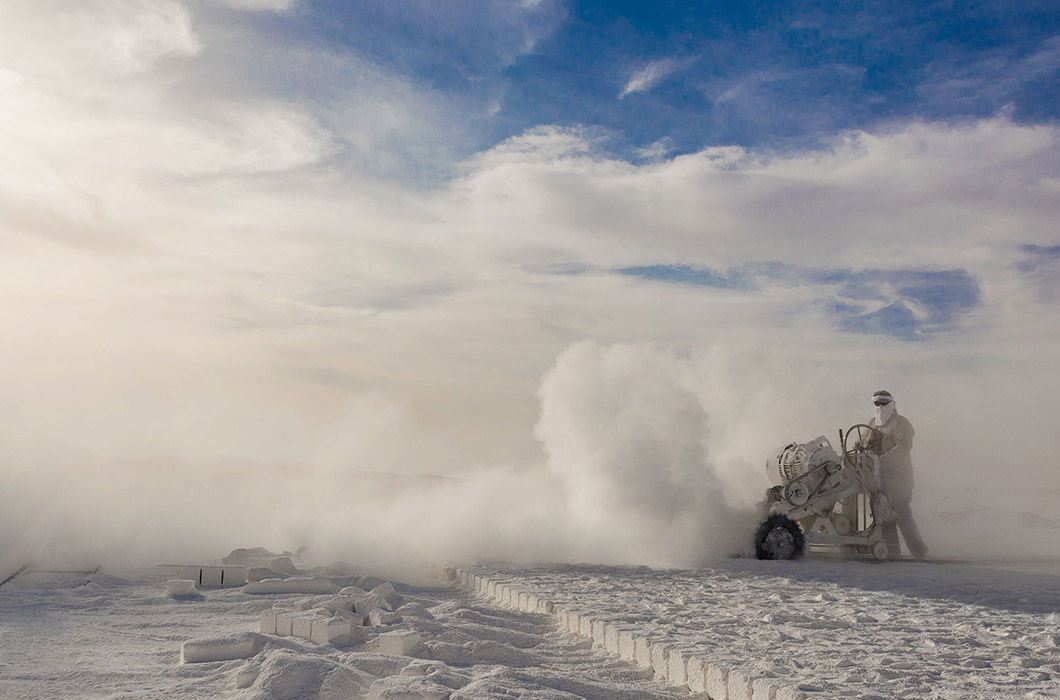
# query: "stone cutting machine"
[[825, 500]]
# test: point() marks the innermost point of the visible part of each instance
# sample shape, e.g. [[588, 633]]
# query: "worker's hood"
[[884, 413]]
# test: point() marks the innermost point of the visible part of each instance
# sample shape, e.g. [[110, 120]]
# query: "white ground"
[[828, 628]]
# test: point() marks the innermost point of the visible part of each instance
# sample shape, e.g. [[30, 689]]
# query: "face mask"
[[884, 413]]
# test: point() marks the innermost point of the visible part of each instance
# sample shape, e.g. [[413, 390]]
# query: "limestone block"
[[354, 618], [390, 597], [660, 658], [697, 674], [717, 684], [627, 644], [302, 624], [327, 630], [764, 688], [398, 643], [585, 625], [294, 584], [369, 602], [237, 646], [740, 685], [382, 617], [676, 667], [599, 633], [268, 621], [642, 652], [284, 625], [211, 576], [180, 587], [611, 633]]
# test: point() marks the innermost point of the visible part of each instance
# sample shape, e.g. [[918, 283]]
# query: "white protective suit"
[[893, 441]]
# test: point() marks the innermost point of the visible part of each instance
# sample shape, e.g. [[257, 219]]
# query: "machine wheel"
[[779, 537], [880, 551]]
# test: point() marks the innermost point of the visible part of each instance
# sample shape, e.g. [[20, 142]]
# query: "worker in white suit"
[[892, 440]]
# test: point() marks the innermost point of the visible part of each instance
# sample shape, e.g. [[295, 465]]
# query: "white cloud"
[[649, 76]]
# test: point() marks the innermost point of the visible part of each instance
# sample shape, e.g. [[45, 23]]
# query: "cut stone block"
[[585, 625], [180, 587], [717, 685], [599, 633], [642, 653], [697, 674], [354, 618], [384, 589], [627, 644], [294, 584], [238, 646], [382, 617], [740, 685], [284, 623], [327, 630], [660, 659], [611, 632], [398, 643], [367, 603], [302, 624], [385, 592], [677, 667], [764, 688], [572, 621], [268, 622], [208, 575]]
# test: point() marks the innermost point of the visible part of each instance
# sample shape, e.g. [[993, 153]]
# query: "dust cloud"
[[648, 455]]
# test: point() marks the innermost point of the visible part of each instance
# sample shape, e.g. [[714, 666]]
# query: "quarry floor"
[[813, 628]]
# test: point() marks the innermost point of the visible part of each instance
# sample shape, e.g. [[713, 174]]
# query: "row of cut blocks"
[[673, 663]]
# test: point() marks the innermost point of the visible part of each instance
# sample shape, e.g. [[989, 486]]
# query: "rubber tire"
[[770, 524]]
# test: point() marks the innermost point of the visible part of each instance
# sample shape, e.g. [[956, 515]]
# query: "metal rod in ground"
[[22, 569]]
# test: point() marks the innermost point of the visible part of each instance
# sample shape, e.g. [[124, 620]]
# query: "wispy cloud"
[[649, 76]]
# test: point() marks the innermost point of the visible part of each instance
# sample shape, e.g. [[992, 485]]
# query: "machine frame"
[[825, 501]]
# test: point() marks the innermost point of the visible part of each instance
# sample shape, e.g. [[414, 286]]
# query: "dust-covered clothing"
[[896, 465], [894, 442]]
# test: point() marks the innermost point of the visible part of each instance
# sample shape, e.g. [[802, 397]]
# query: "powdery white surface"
[[101, 636], [822, 628], [831, 628]]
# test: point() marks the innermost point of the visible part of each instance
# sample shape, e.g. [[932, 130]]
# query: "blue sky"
[[694, 74]]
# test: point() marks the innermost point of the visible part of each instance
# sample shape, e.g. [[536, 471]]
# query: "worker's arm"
[[902, 438]]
